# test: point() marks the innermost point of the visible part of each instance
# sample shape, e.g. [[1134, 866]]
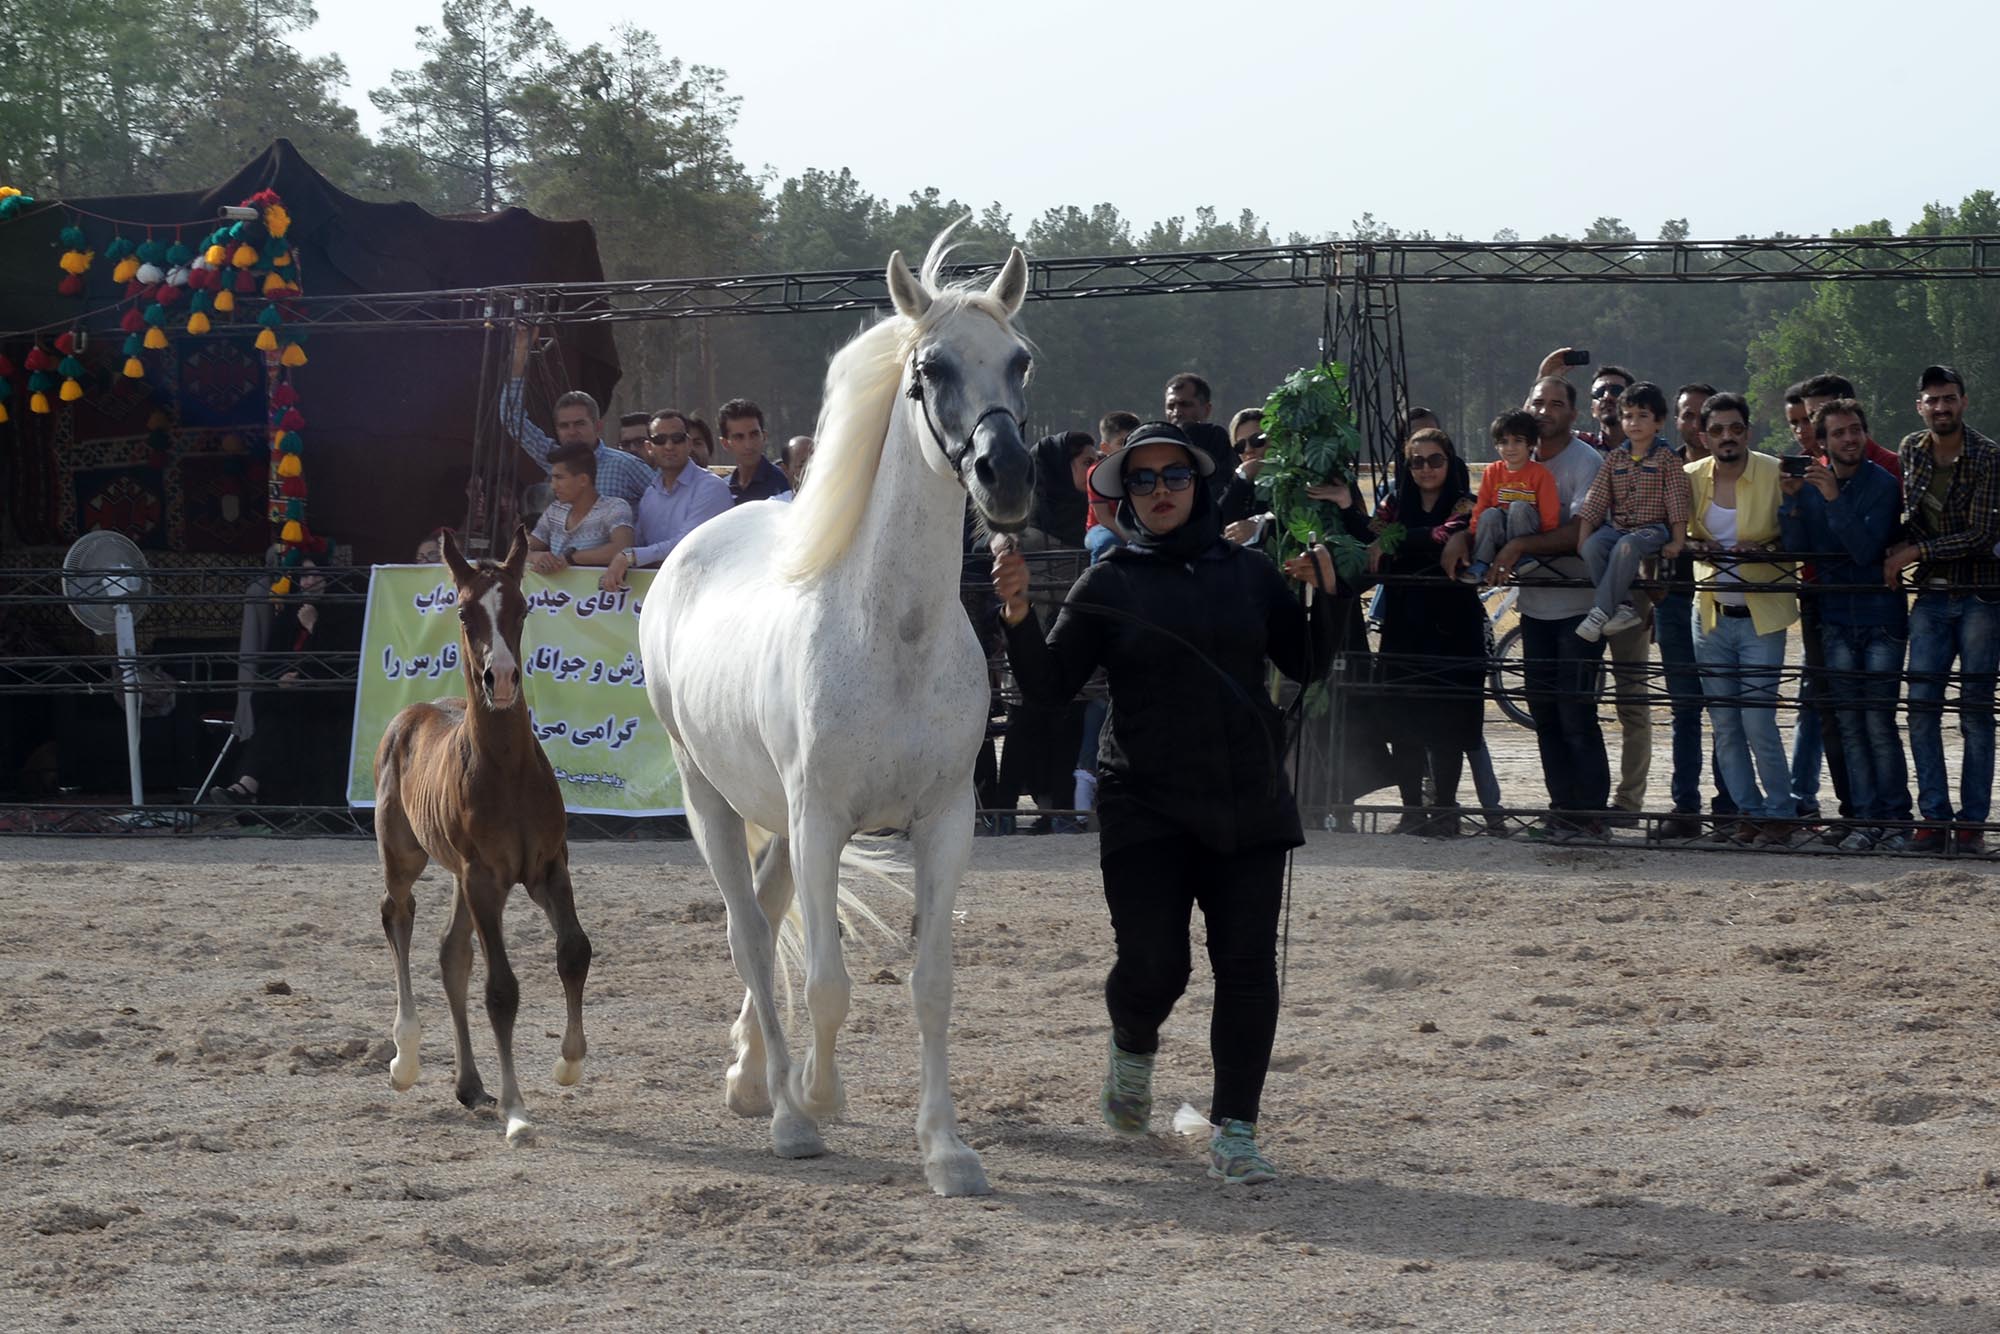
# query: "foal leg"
[[745, 1091], [558, 899], [719, 831], [455, 958], [941, 844], [487, 894], [817, 843], [403, 860]]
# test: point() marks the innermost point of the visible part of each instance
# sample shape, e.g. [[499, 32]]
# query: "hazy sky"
[[1743, 117]]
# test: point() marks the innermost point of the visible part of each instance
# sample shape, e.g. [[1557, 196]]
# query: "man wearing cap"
[[1951, 516]]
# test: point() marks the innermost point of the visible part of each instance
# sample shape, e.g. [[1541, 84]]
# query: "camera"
[[1794, 465]]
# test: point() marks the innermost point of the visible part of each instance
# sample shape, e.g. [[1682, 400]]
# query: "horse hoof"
[[403, 1071], [519, 1130], [745, 1098], [828, 1108], [795, 1137], [473, 1097], [957, 1173], [568, 1071]]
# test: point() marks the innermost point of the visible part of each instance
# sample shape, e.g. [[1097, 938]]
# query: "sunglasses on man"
[[1141, 481], [1608, 391], [676, 438]]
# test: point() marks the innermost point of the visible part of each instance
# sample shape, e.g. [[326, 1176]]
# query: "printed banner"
[[585, 688]]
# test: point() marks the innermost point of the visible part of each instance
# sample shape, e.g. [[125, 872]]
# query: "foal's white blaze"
[[499, 658]]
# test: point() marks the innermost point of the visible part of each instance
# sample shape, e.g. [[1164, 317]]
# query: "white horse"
[[817, 673]]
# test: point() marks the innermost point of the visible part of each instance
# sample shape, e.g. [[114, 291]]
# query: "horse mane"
[[860, 397]]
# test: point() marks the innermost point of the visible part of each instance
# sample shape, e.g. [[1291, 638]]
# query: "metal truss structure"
[[1361, 325]]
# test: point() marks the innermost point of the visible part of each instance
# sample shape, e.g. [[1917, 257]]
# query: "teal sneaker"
[[1233, 1158], [1127, 1097]]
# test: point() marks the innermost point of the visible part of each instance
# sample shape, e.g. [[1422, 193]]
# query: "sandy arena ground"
[[1514, 1089]]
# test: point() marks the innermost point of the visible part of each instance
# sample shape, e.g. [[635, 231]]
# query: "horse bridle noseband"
[[916, 391]]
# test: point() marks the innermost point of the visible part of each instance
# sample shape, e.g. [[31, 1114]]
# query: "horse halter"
[[916, 391]]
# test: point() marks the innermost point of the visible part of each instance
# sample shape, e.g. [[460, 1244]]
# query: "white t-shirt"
[[1721, 525], [1575, 469]]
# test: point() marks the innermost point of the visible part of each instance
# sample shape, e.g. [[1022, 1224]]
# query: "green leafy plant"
[[1309, 421]]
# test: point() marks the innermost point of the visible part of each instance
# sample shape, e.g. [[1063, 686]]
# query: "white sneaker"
[[1592, 627], [1622, 620]]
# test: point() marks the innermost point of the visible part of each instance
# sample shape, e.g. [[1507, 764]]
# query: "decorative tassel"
[[127, 270], [293, 355], [244, 256], [293, 488], [133, 322], [71, 368], [246, 282], [273, 283], [179, 256], [216, 255], [291, 532], [134, 344], [3, 414], [39, 403], [73, 286], [284, 396], [151, 274], [197, 323], [135, 369], [71, 391], [276, 220], [288, 466], [156, 339], [283, 586], [225, 301], [293, 420], [267, 341]]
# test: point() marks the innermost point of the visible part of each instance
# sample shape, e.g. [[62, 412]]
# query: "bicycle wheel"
[[1505, 677]]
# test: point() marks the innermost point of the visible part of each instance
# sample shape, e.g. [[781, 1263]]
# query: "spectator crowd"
[[1649, 522]]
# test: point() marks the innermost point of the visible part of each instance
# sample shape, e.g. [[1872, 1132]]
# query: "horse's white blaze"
[[499, 658], [817, 674]]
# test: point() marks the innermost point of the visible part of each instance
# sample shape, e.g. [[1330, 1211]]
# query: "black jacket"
[[1181, 750]]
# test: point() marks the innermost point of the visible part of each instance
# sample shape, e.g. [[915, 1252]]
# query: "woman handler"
[[1193, 804]]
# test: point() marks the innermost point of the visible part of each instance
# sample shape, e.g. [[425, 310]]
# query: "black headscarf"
[[1410, 497], [1202, 529], [1059, 507]]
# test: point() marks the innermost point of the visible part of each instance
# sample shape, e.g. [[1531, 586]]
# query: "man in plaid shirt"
[[1951, 515], [1641, 499]]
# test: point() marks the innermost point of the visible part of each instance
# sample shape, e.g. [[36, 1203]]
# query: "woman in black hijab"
[[1193, 806], [1435, 716]]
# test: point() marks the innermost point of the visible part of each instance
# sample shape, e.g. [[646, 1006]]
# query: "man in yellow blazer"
[[1740, 631]]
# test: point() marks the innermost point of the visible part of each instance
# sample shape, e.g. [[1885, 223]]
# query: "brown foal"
[[463, 782]]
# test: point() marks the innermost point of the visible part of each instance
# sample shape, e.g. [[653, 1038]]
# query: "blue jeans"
[[1100, 540], [1613, 560], [1095, 711], [1740, 670], [1865, 664], [1944, 626], [1561, 678]]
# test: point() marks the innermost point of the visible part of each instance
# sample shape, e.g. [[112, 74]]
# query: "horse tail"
[[770, 856]]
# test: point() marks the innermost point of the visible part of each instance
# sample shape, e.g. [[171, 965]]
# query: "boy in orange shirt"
[[1517, 496]]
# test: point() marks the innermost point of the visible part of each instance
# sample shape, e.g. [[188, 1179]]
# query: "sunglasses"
[[1427, 461], [677, 438], [1607, 391], [1141, 481]]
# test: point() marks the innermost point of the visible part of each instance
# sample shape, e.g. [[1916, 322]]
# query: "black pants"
[[1152, 888], [1561, 681]]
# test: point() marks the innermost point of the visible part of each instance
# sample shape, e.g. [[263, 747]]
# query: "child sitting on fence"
[[1641, 498], [1517, 496]]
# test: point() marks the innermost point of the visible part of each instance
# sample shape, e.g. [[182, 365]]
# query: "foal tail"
[[770, 857]]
